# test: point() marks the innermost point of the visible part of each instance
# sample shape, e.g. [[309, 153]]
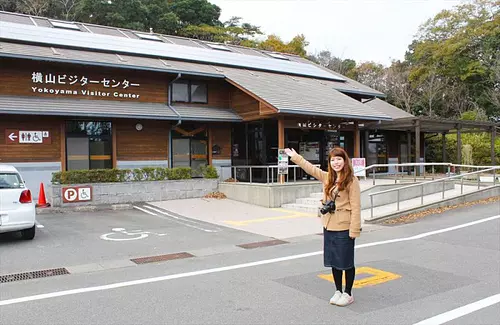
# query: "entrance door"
[[190, 151]]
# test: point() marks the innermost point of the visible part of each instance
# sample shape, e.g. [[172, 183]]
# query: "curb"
[[84, 208]]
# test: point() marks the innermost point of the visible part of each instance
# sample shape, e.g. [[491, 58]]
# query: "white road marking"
[[220, 269], [181, 220], [39, 225], [144, 210], [461, 311]]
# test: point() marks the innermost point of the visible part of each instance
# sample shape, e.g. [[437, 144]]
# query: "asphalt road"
[[442, 269]]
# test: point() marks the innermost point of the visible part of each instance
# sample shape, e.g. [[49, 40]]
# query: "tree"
[[371, 74], [399, 87], [459, 46], [295, 46]]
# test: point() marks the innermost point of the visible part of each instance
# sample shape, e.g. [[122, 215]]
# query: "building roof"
[[299, 95], [38, 38], [112, 109], [382, 106]]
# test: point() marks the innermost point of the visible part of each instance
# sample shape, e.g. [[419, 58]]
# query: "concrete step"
[[316, 195], [314, 201], [301, 207]]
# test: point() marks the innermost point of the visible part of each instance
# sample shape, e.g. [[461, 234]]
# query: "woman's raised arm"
[[306, 166]]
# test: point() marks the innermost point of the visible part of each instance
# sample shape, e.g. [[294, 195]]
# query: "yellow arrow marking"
[[378, 277]]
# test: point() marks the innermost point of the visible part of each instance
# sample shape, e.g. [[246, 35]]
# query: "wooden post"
[[493, 135], [408, 149], [417, 146], [63, 145], [459, 146], [113, 144], [281, 141], [210, 144], [443, 149], [357, 139]]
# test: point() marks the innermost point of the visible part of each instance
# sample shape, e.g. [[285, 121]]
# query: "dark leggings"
[[349, 279]]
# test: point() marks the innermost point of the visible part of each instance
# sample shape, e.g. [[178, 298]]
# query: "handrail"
[[267, 167], [462, 176]]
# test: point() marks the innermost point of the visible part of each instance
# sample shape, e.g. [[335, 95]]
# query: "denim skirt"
[[338, 249]]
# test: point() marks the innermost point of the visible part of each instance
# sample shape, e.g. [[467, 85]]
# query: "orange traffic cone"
[[42, 202]]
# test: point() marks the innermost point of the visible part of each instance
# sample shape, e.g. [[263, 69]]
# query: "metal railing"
[[462, 176], [449, 166], [270, 170]]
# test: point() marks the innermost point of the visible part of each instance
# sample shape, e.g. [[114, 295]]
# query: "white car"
[[17, 209]]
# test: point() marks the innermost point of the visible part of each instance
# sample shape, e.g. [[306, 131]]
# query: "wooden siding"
[[221, 136], [30, 152], [16, 80], [245, 105], [151, 143]]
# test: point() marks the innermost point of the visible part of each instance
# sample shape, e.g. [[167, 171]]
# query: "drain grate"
[[263, 244], [159, 258], [32, 275]]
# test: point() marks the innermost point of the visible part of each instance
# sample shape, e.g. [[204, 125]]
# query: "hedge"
[[129, 175]]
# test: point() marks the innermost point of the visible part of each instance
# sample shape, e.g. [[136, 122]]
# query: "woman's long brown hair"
[[346, 175]]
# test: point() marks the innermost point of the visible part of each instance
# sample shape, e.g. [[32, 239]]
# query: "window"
[[198, 92], [88, 145], [218, 47], [189, 92], [150, 37], [64, 25]]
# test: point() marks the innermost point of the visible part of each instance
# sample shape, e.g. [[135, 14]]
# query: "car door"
[[11, 187]]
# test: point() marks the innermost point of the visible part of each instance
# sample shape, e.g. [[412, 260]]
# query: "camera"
[[328, 207]]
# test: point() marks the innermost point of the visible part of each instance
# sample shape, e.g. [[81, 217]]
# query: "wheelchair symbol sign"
[[77, 194], [84, 194]]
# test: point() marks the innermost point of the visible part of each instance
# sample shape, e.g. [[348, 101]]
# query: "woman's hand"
[[291, 152]]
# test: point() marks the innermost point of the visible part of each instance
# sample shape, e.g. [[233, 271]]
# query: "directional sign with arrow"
[[27, 137]]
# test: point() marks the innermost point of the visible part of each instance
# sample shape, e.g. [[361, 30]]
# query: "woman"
[[341, 226]]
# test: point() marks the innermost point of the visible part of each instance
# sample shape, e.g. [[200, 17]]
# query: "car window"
[[10, 180]]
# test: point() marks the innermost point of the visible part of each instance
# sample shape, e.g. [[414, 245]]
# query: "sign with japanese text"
[[27, 137], [359, 165], [76, 194], [76, 85], [282, 162]]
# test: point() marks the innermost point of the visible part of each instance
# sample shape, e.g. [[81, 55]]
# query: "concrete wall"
[[406, 194], [133, 192], [224, 173], [269, 195], [36, 173]]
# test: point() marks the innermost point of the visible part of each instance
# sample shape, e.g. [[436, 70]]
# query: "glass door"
[[199, 156], [88, 145], [181, 153]]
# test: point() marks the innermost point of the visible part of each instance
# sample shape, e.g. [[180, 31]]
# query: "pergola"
[[420, 124]]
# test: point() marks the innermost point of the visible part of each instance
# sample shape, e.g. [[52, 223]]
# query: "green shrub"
[[210, 172], [120, 175], [179, 173]]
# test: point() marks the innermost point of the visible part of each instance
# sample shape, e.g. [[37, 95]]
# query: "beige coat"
[[348, 202]]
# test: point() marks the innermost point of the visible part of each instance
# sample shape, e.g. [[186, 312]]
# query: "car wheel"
[[28, 234]]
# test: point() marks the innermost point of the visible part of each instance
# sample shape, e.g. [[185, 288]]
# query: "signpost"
[[359, 165], [27, 137], [282, 164], [76, 194]]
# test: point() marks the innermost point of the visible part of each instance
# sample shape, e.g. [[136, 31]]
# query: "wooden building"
[[81, 96]]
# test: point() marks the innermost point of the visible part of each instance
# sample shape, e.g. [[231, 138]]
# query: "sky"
[[376, 30]]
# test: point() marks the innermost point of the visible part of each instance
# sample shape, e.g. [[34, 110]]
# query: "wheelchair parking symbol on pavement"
[[374, 277]]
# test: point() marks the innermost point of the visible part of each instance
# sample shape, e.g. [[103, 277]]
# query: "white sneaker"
[[335, 298], [345, 300]]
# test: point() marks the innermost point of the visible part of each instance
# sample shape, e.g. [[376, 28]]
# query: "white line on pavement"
[[39, 225], [461, 311], [144, 210], [220, 269], [181, 220]]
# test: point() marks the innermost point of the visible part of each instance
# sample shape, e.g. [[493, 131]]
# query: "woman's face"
[[337, 163]]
